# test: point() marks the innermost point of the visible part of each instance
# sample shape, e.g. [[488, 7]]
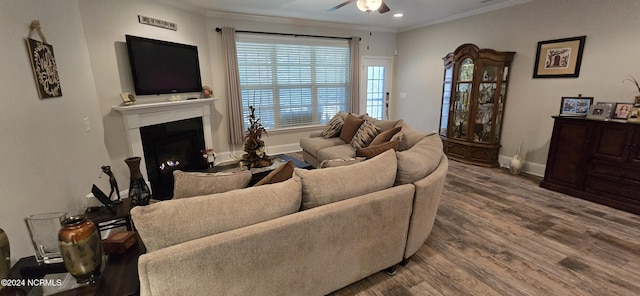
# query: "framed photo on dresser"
[[599, 112], [622, 110], [575, 106]]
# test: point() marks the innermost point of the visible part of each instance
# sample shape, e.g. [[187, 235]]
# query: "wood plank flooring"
[[499, 234]]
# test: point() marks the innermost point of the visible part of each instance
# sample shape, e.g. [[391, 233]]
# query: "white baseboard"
[[532, 168]]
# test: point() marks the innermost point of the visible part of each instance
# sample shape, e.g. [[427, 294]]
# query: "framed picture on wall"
[[621, 110], [575, 106], [559, 58]]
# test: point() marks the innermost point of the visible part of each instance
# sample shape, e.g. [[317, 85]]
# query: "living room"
[[52, 157]]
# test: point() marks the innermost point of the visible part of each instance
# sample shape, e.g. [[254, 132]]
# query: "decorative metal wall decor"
[[157, 23], [43, 64]]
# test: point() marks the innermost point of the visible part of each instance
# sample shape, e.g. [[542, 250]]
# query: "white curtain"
[[234, 97], [354, 44]]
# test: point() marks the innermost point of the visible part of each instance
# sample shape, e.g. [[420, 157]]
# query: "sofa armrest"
[[315, 134], [425, 206]]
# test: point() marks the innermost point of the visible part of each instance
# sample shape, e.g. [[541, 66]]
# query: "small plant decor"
[[255, 156], [634, 81]]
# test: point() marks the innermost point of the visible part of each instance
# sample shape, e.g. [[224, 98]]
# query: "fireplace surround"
[[151, 117]]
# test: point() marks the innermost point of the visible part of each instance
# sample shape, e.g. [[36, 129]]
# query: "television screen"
[[161, 67]]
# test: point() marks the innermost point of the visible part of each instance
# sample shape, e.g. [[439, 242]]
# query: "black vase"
[[139, 192]]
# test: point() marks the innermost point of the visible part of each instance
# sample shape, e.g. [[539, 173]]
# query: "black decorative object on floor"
[[138, 190]]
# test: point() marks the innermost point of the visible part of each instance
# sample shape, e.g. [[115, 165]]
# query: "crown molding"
[[465, 14]]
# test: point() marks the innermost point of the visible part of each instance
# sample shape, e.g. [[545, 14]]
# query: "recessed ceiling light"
[[398, 15]]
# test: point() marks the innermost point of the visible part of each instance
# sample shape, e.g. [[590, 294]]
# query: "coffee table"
[[258, 173]]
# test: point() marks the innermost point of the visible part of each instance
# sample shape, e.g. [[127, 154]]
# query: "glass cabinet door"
[[485, 103], [446, 100], [463, 96], [500, 104]]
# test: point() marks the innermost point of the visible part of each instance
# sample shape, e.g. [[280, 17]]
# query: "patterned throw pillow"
[[364, 135], [333, 127]]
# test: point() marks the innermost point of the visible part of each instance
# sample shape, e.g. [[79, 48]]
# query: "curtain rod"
[[288, 34]]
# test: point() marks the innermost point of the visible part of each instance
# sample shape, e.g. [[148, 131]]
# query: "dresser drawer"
[[617, 170]]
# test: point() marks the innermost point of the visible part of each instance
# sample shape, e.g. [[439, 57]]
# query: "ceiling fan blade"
[[340, 5], [384, 8]]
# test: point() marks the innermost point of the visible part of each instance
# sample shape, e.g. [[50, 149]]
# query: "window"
[[293, 82], [375, 91]]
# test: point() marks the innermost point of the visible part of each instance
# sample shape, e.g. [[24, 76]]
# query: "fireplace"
[[167, 136], [171, 146]]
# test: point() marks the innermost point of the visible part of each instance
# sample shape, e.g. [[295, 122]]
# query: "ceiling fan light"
[[369, 5]]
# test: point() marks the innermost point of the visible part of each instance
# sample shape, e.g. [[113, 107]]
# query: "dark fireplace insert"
[[172, 146]]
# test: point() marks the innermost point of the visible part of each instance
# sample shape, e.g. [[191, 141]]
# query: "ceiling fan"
[[365, 5]]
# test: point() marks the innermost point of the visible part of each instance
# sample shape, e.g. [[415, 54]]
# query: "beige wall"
[[48, 159], [106, 23], [610, 54]]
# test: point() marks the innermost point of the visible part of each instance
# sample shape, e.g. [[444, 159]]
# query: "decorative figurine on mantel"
[[210, 157], [255, 156], [112, 181]]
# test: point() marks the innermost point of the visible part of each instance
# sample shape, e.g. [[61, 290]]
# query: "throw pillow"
[[420, 160], [320, 187], [280, 174], [188, 184], [364, 135], [333, 127], [172, 222], [385, 136], [374, 150], [350, 127], [330, 163], [410, 136]]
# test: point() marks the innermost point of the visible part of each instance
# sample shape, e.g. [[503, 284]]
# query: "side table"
[[105, 219], [119, 278]]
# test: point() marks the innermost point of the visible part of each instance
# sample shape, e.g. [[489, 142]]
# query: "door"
[[375, 86]]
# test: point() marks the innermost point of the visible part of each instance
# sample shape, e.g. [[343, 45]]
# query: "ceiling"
[[416, 13]]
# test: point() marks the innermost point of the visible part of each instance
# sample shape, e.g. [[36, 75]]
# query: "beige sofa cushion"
[[320, 187], [314, 145], [172, 222], [410, 136], [338, 151], [382, 124], [188, 184], [420, 160]]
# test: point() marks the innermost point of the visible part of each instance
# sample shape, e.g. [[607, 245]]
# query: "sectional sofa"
[[312, 234]]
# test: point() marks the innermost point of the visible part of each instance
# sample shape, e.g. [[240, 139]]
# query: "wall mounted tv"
[[161, 67]]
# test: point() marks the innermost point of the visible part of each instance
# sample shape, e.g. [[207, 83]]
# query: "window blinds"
[[293, 82]]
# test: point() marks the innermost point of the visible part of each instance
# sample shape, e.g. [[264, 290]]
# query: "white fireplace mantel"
[[144, 114]]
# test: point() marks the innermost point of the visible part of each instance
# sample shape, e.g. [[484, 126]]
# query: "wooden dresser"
[[595, 160]]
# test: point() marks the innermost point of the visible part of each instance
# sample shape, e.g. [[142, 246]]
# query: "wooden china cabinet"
[[473, 99]]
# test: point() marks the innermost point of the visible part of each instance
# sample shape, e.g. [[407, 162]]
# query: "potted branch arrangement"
[[634, 81], [255, 156]]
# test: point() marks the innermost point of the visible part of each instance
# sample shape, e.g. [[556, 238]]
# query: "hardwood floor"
[[499, 234]]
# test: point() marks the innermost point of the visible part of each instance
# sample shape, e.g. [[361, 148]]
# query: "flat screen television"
[[162, 67]]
